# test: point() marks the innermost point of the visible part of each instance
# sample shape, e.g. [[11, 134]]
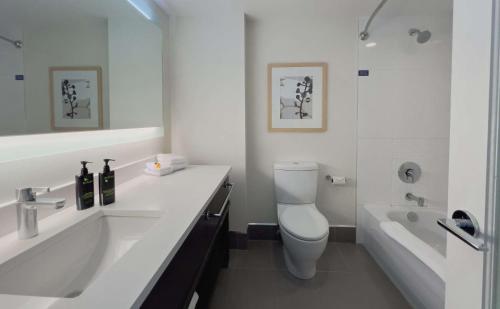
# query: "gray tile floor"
[[347, 278]]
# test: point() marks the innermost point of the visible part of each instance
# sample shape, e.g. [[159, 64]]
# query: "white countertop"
[[181, 197]]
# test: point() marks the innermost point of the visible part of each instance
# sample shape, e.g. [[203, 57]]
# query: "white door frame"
[[492, 215], [471, 178]]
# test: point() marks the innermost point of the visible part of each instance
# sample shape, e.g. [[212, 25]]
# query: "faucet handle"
[[29, 194]]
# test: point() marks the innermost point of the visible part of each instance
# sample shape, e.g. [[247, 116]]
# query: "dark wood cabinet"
[[197, 263]]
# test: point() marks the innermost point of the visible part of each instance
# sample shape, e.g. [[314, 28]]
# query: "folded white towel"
[[156, 169], [158, 173], [175, 167], [173, 161], [168, 158], [168, 164]]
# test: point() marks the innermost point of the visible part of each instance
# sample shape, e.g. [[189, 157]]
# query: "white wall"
[[135, 62], [81, 43], [12, 119], [330, 39], [403, 110], [208, 96]]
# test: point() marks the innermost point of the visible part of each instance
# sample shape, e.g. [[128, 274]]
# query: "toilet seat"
[[304, 222]]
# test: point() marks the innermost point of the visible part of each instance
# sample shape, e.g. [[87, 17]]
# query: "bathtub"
[[410, 247]]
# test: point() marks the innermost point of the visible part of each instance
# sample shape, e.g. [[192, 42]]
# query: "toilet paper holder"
[[336, 180]]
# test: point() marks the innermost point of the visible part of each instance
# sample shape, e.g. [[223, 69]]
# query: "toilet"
[[303, 228]]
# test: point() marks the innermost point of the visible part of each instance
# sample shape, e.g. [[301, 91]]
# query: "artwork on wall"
[[76, 98], [297, 97]]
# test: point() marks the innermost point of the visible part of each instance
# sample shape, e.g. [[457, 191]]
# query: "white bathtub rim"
[[397, 232], [380, 211]]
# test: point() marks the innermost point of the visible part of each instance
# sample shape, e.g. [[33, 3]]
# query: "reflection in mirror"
[[78, 65]]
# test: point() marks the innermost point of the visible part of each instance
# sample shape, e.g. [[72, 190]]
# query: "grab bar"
[[464, 226]]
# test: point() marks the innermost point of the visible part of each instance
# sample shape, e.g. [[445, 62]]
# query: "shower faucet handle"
[[409, 172]]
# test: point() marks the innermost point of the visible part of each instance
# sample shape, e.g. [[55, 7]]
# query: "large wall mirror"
[[72, 65]]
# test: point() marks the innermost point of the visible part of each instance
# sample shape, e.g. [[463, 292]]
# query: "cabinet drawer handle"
[[226, 201]]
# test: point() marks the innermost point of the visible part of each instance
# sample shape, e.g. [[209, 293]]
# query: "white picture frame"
[[76, 98]]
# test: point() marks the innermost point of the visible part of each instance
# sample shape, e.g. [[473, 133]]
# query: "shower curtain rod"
[[364, 35], [16, 43]]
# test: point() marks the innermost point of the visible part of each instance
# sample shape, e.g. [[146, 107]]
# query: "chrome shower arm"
[[364, 35], [16, 43]]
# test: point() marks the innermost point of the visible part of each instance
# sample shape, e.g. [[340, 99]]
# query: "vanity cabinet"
[[196, 265]]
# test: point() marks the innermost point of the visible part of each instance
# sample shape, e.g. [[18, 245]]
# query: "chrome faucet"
[[27, 203], [411, 197]]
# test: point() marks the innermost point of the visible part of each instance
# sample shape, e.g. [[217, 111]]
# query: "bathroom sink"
[[67, 262]]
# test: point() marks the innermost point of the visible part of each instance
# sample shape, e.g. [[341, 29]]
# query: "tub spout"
[[411, 197]]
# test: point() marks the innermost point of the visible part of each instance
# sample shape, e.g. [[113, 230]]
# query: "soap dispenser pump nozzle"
[[106, 165], [84, 170]]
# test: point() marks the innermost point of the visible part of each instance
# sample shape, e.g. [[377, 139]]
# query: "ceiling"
[[262, 8], [33, 13]]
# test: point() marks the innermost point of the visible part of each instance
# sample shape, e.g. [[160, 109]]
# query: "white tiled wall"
[[403, 110], [379, 161]]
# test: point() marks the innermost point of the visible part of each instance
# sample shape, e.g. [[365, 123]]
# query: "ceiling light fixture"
[[141, 8]]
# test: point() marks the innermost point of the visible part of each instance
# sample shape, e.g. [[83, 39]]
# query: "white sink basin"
[[69, 260]]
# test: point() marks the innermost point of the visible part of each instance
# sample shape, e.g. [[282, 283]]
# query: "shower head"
[[422, 36]]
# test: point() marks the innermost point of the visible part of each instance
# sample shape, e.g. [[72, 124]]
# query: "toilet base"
[[306, 269], [301, 256]]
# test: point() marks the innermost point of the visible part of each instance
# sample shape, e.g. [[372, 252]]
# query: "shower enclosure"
[[404, 116]]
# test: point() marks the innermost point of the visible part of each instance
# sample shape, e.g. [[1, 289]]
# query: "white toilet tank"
[[296, 182]]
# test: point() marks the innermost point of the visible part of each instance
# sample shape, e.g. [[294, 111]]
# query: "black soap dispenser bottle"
[[107, 184], [84, 185]]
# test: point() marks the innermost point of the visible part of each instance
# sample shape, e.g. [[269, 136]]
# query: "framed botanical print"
[[297, 97], [76, 98]]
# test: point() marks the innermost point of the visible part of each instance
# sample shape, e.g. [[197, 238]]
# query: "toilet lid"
[[304, 222]]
